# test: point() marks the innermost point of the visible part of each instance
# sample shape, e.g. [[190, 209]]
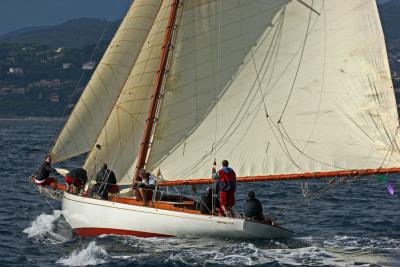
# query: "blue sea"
[[356, 223]]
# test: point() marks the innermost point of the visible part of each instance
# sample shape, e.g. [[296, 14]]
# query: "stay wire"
[[217, 77], [213, 204], [84, 72]]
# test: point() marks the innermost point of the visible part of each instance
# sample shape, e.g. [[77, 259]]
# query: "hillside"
[[39, 78], [73, 33]]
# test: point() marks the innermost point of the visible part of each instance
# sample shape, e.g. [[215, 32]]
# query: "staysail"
[[88, 117], [121, 135], [312, 94]]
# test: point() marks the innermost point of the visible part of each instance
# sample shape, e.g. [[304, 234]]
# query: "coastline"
[[31, 118]]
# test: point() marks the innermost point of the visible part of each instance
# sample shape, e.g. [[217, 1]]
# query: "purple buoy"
[[390, 189]]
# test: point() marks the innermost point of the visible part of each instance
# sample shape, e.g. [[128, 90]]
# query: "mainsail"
[[314, 94], [94, 106], [274, 86]]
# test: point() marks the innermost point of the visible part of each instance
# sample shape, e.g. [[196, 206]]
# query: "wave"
[[50, 228], [91, 255]]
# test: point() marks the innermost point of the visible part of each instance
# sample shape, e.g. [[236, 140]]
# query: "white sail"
[[314, 94], [213, 40], [88, 117], [121, 135]]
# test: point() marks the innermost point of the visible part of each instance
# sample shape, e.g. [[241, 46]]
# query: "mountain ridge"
[[72, 33]]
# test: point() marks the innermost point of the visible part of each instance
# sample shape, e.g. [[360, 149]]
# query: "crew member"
[[147, 186], [42, 176], [76, 180], [226, 185], [105, 182], [253, 208]]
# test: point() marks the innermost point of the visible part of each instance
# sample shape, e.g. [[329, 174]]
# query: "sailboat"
[[283, 89]]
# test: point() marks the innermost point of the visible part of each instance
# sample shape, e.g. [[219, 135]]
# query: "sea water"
[[352, 224]]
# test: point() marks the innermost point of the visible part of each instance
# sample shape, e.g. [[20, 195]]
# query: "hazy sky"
[[16, 14]]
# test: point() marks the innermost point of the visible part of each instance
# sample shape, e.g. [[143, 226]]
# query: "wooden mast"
[[301, 176], [156, 94]]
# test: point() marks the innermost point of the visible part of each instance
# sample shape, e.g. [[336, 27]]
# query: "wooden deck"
[[164, 205]]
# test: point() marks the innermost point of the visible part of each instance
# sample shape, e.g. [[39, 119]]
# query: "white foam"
[[91, 255], [42, 224], [249, 254]]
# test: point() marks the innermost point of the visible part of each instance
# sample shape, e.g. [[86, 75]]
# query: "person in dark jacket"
[[105, 182], [42, 176], [226, 184], [253, 208], [76, 180]]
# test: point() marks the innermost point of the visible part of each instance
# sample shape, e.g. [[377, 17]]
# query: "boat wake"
[[338, 251], [311, 251], [50, 228]]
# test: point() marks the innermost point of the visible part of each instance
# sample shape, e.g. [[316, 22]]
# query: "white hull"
[[89, 217]]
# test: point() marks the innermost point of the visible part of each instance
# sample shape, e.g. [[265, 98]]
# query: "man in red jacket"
[[226, 185]]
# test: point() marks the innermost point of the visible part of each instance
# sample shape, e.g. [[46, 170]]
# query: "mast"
[[156, 95], [299, 176]]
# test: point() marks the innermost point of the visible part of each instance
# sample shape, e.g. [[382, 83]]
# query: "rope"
[[391, 146], [237, 120], [313, 195], [298, 66], [40, 193]]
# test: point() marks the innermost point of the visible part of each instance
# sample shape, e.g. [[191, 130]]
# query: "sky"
[[17, 14]]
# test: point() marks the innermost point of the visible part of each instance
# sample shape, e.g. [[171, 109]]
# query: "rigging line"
[[77, 85], [304, 154], [391, 146], [333, 183], [120, 93], [213, 204], [174, 34], [394, 144], [273, 45], [90, 58], [267, 116], [298, 66], [317, 117], [287, 151], [158, 89], [271, 49], [275, 40], [217, 76], [40, 193], [268, 86], [157, 29], [309, 7]]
